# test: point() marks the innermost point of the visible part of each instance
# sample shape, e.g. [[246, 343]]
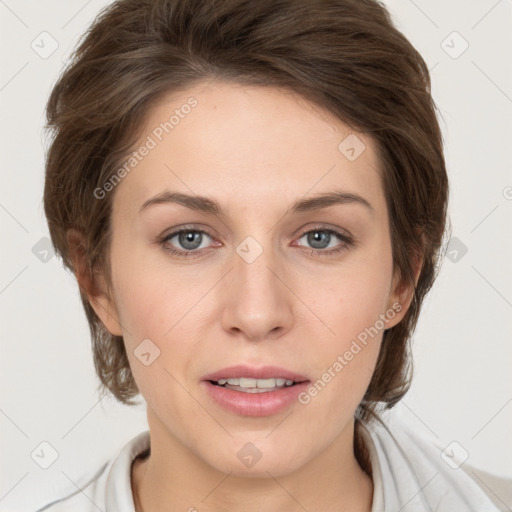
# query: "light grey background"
[[462, 390]]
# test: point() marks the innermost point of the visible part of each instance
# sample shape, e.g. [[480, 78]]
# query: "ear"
[[402, 292], [92, 283]]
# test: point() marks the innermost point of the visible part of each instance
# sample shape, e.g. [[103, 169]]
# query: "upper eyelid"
[[318, 227]]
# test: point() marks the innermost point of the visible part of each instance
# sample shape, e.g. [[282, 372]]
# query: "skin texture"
[[255, 151]]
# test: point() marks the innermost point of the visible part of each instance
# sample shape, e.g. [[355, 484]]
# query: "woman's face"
[[267, 282]]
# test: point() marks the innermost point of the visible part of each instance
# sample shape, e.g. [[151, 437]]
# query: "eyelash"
[[346, 239]]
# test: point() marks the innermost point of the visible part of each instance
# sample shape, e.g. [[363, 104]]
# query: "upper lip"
[[252, 372]]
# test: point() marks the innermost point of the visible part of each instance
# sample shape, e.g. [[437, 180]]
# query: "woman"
[[253, 198]]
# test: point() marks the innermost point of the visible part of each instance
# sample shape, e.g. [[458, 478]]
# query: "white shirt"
[[409, 474]]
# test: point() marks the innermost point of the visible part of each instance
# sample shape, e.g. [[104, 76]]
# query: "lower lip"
[[255, 404]]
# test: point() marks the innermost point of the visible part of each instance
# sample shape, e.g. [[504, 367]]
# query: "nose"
[[257, 301]]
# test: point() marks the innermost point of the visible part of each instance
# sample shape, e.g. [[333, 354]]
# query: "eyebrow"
[[206, 205]]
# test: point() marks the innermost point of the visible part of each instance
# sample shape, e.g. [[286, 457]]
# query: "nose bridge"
[[254, 269], [258, 302]]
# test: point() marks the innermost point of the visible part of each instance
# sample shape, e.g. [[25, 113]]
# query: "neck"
[[334, 480]]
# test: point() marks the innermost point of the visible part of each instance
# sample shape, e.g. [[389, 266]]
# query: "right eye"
[[190, 241]]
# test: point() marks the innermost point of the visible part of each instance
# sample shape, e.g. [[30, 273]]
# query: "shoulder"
[[497, 488], [417, 472], [108, 488]]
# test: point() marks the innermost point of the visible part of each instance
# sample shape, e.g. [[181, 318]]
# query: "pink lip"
[[264, 372], [255, 404]]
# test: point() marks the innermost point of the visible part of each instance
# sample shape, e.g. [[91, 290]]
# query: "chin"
[[254, 459]]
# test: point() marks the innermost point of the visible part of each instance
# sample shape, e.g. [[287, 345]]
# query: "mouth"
[[253, 391], [250, 385]]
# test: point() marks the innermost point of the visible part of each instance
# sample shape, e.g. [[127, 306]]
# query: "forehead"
[[246, 144]]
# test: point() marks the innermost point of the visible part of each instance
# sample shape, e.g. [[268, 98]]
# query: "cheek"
[[161, 306], [344, 357], [351, 299], [148, 297], [351, 306]]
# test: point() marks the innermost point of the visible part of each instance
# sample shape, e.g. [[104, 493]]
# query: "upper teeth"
[[255, 383]]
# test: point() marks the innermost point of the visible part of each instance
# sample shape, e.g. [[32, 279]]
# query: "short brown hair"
[[344, 55]]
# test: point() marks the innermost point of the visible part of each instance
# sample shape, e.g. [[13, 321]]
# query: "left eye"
[[321, 238]]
